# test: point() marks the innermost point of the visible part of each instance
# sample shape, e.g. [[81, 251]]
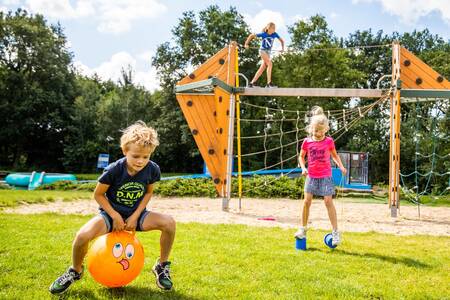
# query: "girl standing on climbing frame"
[[268, 36]]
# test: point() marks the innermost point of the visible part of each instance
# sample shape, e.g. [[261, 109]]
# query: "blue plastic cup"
[[300, 244], [328, 240]]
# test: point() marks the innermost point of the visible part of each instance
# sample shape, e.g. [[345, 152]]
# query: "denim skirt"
[[320, 186]]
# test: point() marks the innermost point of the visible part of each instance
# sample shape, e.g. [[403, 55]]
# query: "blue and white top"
[[267, 40]]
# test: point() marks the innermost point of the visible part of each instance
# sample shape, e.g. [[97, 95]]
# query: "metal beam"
[[203, 85], [192, 86], [311, 92], [428, 93], [415, 100]]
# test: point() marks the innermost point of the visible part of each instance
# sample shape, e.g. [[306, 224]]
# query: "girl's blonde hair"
[[317, 119], [140, 134], [266, 28]]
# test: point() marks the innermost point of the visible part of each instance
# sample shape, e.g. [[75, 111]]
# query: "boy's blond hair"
[[140, 134], [317, 119]]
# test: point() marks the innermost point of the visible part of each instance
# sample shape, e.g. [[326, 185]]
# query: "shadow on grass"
[[127, 293], [410, 262]]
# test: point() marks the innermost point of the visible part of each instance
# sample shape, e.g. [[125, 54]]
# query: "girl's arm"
[[248, 40], [282, 43], [301, 162], [337, 160]]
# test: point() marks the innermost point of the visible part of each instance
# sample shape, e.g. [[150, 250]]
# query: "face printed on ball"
[[124, 255], [116, 258]]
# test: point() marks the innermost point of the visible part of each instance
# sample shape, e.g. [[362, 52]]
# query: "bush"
[[67, 185], [253, 187]]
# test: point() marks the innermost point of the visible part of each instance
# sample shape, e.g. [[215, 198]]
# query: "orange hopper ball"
[[115, 259]]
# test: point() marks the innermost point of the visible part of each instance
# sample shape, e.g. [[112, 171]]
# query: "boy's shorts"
[[109, 220], [320, 186]]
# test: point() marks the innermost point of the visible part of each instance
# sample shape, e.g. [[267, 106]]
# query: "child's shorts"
[[109, 220], [264, 51], [320, 186]]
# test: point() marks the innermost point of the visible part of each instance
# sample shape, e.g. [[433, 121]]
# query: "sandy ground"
[[354, 217]]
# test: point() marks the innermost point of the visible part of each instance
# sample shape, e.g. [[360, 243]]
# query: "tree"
[[37, 91], [195, 39]]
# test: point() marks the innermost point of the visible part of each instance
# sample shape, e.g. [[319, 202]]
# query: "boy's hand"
[[343, 170], [304, 172], [246, 46], [118, 223], [131, 223]]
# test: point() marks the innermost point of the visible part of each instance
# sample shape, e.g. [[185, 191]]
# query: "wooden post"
[[394, 140]]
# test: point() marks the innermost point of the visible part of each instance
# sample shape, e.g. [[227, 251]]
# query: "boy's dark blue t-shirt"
[[267, 40], [125, 192]]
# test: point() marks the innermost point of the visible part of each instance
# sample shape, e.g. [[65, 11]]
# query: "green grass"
[[232, 261], [12, 198]]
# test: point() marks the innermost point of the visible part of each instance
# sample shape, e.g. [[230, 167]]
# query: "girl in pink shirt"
[[318, 148]]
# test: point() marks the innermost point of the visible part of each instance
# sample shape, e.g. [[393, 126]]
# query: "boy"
[[123, 192]]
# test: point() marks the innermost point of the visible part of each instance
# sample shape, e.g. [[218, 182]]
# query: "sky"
[[108, 35]]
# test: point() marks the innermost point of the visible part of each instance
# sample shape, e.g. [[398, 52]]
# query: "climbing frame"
[[207, 112]]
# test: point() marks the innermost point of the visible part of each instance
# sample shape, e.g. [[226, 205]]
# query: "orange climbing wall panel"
[[208, 114], [415, 74], [221, 65]]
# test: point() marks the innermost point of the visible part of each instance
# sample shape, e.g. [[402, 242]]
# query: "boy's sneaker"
[[63, 282], [335, 238], [270, 85], [162, 274], [301, 233], [252, 85]]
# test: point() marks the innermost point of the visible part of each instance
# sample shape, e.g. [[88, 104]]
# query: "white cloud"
[[112, 70], [333, 15], [410, 11], [4, 9], [260, 20], [60, 9], [116, 15], [113, 16], [11, 2], [146, 56]]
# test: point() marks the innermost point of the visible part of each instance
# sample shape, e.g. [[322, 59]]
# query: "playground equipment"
[[115, 259], [430, 153], [210, 99], [34, 179]]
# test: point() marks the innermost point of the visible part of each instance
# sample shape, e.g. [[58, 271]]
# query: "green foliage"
[[67, 185], [363, 267], [37, 86], [186, 187]]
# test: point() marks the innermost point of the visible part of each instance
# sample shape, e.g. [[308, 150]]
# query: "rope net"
[[425, 165], [271, 136]]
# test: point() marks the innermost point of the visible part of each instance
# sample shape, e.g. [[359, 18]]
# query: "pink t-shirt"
[[318, 154]]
